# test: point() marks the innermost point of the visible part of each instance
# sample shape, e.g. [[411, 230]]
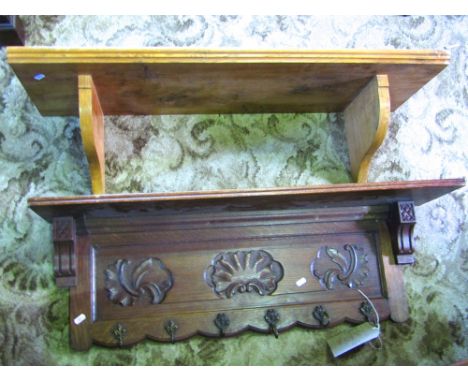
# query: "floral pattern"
[[427, 139]]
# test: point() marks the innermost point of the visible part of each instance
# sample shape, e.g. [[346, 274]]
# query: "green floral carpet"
[[428, 139]]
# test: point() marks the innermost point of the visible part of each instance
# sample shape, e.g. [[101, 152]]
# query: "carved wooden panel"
[[221, 283]]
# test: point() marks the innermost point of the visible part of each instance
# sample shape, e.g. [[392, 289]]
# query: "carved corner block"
[[64, 236], [401, 223]]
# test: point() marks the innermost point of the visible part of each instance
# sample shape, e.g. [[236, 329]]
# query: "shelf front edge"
[[323, 196]]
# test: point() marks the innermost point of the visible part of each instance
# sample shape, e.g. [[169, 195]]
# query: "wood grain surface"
[[189, 81], [81, 298], [92, 131], [420, 191], [366, 123], [392, 279]]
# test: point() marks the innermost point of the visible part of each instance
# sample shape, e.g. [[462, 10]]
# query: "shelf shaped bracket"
[[366, 124], [401, 224], [64, 236], [92, 131]]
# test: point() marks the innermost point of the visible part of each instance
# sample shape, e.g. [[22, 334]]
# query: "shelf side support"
[[366, 124], [92, 131]]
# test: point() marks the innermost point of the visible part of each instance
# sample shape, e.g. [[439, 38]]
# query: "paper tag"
[[79, 319], [353, 337], [301, 282]]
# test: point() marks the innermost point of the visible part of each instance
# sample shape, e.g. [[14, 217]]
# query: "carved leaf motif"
[[334, 268], [243, 271], [337, 258], [127, 281]]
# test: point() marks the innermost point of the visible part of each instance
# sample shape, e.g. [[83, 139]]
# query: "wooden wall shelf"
[[364, 85], [172, 265]]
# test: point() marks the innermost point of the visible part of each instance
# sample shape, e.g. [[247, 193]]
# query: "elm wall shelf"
[[172, 265], [364, 85]]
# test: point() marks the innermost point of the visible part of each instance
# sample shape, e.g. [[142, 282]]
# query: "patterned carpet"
[[427, 139]]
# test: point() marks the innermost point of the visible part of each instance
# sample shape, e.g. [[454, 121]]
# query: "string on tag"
[[377, 320]]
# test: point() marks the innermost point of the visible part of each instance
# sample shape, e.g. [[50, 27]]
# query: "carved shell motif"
[[128, 281], [243, 271], [333, 268]]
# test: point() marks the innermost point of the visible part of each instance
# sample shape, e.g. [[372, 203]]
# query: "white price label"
[[301, 282], [79, 319]]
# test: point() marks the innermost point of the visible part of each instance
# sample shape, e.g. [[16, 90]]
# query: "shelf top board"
[[323, 196], [202, 81]]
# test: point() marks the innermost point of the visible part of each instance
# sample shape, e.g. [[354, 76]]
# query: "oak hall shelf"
[[172, 265], [214, 263]]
